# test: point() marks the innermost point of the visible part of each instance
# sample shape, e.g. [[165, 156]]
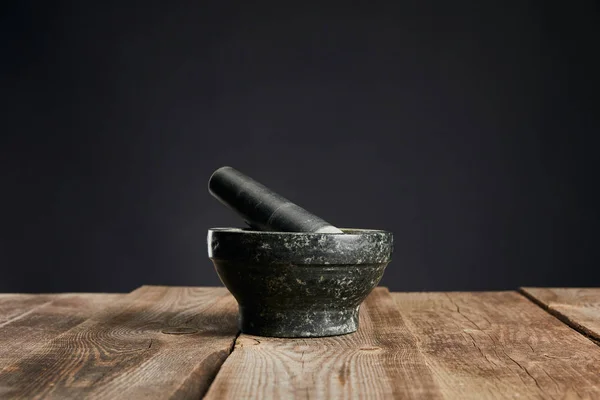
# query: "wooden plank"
[[14, 306], [578, 307], [37, 319], [499, 345], [129, 350], [381, 360]]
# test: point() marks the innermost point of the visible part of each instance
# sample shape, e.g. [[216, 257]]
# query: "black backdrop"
[[466, 128]]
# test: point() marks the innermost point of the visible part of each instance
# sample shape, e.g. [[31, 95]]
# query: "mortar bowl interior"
[[290, 284]]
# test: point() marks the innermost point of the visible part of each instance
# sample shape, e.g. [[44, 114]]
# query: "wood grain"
[[578, 307], [30, 321], [409, 345], [381, 360], [122, 352], [499, 345], [14, 306]]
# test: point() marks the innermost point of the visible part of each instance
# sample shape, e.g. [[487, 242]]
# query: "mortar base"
[[298, 323]]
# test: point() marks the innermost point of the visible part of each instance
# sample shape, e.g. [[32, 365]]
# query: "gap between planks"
[[218, 369], [565, 319]]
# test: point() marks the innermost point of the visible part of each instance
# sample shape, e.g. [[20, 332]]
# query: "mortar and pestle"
[[292, 273]]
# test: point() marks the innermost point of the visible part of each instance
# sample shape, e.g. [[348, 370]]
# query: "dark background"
[[467, 129]]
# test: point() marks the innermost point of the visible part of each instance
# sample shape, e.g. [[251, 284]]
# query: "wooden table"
[[182, 342]]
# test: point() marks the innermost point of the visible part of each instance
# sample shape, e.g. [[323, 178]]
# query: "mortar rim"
[[258, 247], [345, 231]]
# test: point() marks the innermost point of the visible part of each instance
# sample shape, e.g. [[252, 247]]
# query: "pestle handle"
[[262, 208]]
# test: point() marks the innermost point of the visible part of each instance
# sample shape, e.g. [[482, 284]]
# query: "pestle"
[[262, 208]]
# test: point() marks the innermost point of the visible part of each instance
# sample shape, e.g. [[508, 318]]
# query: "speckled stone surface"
[[290, 284]]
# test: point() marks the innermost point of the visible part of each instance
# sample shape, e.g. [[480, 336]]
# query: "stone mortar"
[[291, 284]]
